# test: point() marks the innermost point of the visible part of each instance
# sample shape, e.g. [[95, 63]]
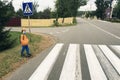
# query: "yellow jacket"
[[24, 40]]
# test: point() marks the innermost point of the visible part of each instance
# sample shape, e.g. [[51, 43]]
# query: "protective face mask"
[[24, 32]]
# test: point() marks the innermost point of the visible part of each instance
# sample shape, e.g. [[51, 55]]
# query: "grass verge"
[[10, 59]]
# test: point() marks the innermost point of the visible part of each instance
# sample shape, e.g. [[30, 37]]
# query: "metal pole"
[[29, 26]]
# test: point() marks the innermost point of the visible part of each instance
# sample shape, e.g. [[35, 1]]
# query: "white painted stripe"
[[69, 67], [42, 72], [113, 35], [116, 48], [111, 56], [95, 68]]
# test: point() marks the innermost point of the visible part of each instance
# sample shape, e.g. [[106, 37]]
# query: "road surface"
[[89, 50]]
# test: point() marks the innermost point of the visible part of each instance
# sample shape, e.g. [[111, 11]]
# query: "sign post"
[[27, 11], [29, 23]]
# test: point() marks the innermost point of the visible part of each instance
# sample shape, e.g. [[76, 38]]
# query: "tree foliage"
[[46, 14], [101, 7], [116, 11], [6, 11], [35, 6], [64, 8], [19, 13], [75, 4], [68, 8], [5, 39]]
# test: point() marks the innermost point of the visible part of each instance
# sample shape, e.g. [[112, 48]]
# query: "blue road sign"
[[27, 8]]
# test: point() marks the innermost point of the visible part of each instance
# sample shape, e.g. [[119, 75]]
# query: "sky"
[[89, 7], [43, 4]]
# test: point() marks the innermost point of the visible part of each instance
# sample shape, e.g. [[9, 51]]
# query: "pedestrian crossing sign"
[[27, 9]]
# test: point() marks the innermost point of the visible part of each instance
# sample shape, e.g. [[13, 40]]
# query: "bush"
[[74, 20], [56, 23], [5, 39]]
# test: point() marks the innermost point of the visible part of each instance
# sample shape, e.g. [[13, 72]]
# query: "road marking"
[[112, 57], [116, 48], [42, 72], [105, 31], [95, 68], [111, 73], [69, 67], [72, 65]]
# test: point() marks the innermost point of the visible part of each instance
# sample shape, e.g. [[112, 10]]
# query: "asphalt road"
[[93, 37]]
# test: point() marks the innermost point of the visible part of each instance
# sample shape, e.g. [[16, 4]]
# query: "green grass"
[[10, 59]]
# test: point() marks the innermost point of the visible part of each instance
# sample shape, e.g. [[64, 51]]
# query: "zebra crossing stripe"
[[72, 67], [43, 70], [106, 65], [69, 67], [96, 71], [116, 48], [111, 57]]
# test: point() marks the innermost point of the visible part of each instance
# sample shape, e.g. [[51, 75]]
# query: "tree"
[[116, 11], [35, 13], [6, 12], [46, 14], [10, 10], [101, 7], [75, 4], [5, 37], [3, 12], [61, 9], [53, 14], [65, 8], [19, 13]]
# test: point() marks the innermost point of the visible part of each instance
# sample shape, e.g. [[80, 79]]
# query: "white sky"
[[90, 6], [43, 4]]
